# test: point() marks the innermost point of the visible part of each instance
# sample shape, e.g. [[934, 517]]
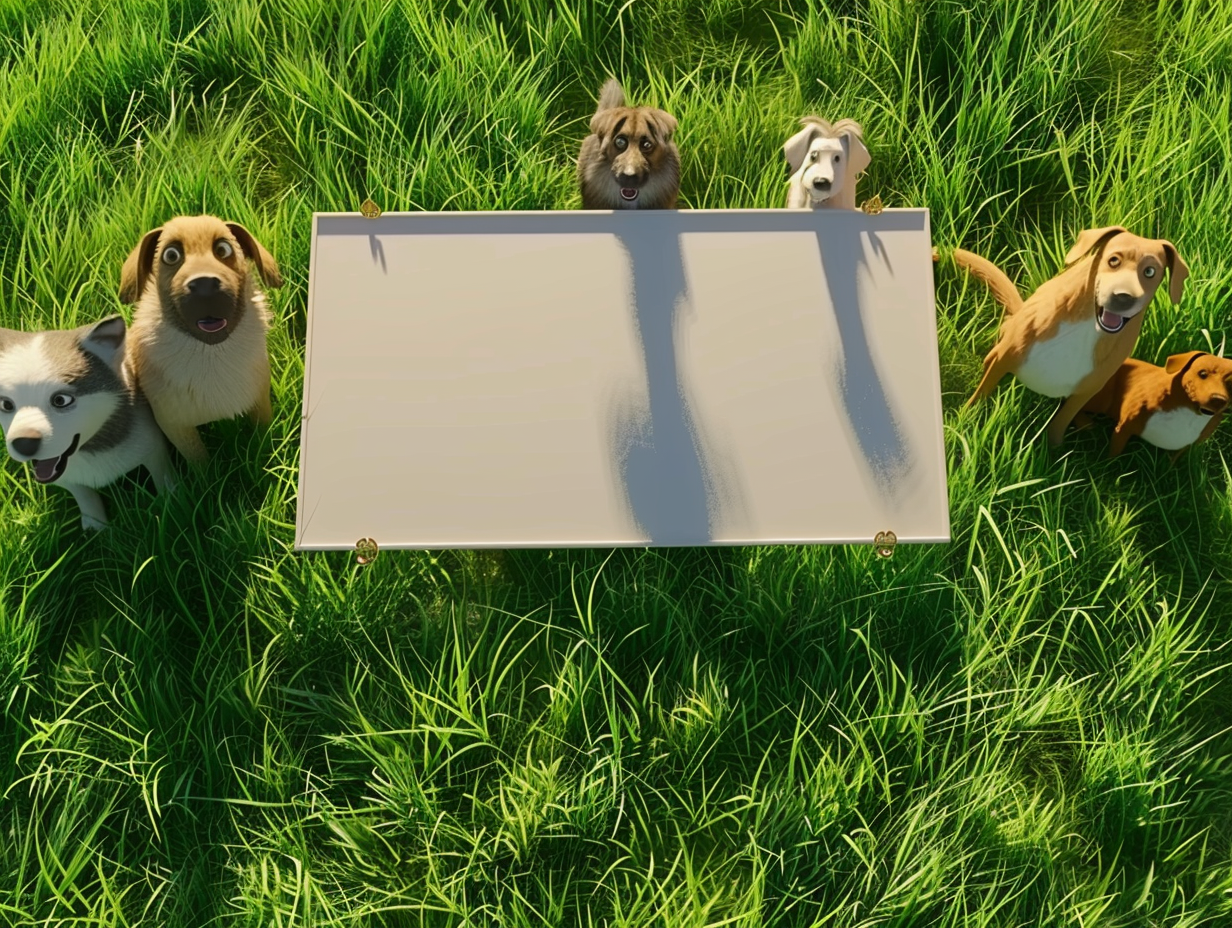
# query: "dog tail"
[[612, 95], [1003, 289]]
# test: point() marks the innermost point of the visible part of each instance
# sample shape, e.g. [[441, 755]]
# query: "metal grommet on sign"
[[872, 206], [884, 544], [366, 551], [369, 210]]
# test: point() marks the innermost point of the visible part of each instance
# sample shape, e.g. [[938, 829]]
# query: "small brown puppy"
[[1069, 337], [197, 342], [629, 160], [1170, 407]]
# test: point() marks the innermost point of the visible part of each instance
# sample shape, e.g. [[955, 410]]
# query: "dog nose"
[[203, 286], [1217, 402], [26, 446], [1122, 301], [627, 179], [821, 183]]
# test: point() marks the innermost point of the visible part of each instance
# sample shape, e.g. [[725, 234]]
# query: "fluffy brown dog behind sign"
[[629, 160], [198, 339]]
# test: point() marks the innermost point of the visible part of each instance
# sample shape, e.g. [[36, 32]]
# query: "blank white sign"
[[692, 377]]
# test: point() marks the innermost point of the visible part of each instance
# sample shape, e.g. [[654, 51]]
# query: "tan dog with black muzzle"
[[1073, 333], [198, 339]]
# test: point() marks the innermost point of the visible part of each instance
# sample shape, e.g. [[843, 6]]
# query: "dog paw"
[[91, 524]]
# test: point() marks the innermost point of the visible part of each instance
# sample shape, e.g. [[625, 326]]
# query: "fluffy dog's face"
[[57, 391], [1128, 271], [1204, 377], [823, 172], [823, 160], [635, 147], [200, 266]]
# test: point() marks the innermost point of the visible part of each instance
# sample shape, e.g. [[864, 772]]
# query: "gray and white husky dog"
[[70, 406]]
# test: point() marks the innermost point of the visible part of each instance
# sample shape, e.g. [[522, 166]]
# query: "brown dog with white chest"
[[629, 160], [1171, 407], [1072, 334], [198, 338]]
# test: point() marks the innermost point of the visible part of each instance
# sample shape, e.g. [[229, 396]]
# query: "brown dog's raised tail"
[[1003, 289]]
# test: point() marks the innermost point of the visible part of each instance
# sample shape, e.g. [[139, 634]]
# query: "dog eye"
[[62, 400], [223, 249], [171, 255], [838, 158], [1202, 374], [1150, 272], [621, 142], [647, 144], [6, 405], [1114, 261], [813, 155]]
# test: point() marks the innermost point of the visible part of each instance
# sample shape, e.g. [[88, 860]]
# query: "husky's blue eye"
[[6, 405], [62, 400]]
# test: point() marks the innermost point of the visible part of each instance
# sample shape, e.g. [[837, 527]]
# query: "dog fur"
[[824, 161], [1172, 407], [1073, 333], [629, 160], [185, 277], [70, 407]]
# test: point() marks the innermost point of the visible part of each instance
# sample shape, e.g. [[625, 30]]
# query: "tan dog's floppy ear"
[[264, 261], [137, 267], [1179, 363], [1178, 271], [796, 147], [1089, 238], [858, 158]]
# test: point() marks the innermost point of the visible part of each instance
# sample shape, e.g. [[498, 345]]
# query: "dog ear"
[[858, 158], [664, 123], [796, 147], [601, 123], [1179, 363], [1089, 239], [137, 267], [105, 339], [1178, 271], [253, 249]]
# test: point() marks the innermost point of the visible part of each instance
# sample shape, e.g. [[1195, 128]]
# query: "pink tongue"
[[45, 469], [1110, 320], [211, 325], [629, 193]]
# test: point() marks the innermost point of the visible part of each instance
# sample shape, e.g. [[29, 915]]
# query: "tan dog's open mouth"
[[1109, 321], [211, 324], [49, 470]]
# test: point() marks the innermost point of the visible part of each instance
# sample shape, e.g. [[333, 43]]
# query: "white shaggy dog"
[[824, 161]]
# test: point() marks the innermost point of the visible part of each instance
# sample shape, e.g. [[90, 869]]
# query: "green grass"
[[1029, 726]]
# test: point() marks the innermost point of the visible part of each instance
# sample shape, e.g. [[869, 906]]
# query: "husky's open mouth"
[[1109, 321], [211, 324], [629, 193], [49, 470]]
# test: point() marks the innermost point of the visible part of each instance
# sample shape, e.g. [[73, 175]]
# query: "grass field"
[[1028, 726]]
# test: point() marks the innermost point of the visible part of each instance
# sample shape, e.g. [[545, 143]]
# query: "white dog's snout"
[[29, 422]]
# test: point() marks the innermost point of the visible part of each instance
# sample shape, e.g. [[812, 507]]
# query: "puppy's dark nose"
[[27, 446], [1121, 301], [203, 286], [821, 183]]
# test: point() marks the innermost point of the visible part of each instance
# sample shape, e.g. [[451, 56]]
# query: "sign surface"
[[585, 378]]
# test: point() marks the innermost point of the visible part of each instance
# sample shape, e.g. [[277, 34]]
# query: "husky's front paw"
[[91, 524]]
